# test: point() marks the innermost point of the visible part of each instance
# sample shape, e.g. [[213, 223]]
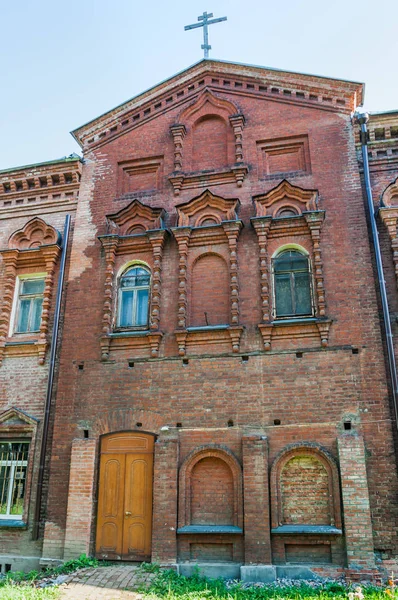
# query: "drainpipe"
[[362, 119], [50, 383]]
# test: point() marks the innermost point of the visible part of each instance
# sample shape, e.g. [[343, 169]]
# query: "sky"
[[65, 63]]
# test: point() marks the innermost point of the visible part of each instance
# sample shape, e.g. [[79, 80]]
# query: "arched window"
[[292, 284], [134, 297]]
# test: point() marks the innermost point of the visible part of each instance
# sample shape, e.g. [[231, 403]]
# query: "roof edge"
[[65, 159], [210, 61]]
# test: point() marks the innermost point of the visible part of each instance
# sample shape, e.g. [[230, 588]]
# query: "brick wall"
[[296, 393]]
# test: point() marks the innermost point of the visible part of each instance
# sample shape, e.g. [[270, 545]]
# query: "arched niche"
[[305, 488], [210, 488], [208, 136], [209, 143], [210, 300]]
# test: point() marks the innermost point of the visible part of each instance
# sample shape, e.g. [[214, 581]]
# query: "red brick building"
[[221, 389]]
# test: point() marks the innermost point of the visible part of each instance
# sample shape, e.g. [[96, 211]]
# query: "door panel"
[[110, 506], [138, 506], [124, 519]]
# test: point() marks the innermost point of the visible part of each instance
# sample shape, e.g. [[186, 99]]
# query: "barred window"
[[292, 284], [29, 306], [134, 298], [13, 467]]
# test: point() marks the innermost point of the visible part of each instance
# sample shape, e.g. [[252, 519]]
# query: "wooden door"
[[124, 519]]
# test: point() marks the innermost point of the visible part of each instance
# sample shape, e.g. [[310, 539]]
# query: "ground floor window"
[[13, 467]]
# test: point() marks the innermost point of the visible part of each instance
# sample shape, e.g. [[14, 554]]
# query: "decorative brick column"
[[354, 487], [165, 500], [256, 499], [80, 498]]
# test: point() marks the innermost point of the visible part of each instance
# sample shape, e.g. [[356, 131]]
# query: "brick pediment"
[[207, 104], [217, 77], [135, 218], [207, 209], [285, 197], [13, 417], [34, 234]]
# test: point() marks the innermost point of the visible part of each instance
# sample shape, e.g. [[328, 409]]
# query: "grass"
[[17, 585], [18, 592], [171, 586], [168, 585]]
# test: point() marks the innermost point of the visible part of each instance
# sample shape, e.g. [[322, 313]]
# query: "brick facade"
[[263, 421]]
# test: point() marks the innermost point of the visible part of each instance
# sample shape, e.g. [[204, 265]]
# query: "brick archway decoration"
[[126, 420], [316, 451], [185, 476]]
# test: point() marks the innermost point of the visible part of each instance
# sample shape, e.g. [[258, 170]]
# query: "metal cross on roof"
[[204, 22]]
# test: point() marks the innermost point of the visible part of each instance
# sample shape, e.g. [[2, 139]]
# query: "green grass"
[[171, 586], [20, 586], [10, 591]]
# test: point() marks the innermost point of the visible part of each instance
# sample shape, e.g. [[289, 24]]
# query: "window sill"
[[26, 345], [218, 529], [307, 529], [134, 344], [17, 523], [129, 333], [294, 333], [203, 340], [234, 174]]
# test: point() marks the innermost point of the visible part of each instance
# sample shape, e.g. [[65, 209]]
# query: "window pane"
[[18, 492], [36, 314], [135, 277], [126, 309], [290, 261], [23, 316], [32, 286], [302, 294], [142, 307], [283, 295], [4, 487]]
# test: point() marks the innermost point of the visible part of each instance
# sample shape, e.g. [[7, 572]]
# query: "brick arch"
[[326, 461], [126, 419], [389, 197], [217, 453], [34, 234], [209, 290]]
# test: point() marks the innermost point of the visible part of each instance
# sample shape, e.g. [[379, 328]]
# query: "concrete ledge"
[[209, 529], [20, 563], [309, 529], [258, 573], [211, 570], [297, 572]]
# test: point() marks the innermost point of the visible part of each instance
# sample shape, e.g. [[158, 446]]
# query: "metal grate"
[[13, 466]]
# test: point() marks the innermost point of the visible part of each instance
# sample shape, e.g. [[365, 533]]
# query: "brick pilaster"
[[80, 498], [256, 499], [355, 493], [164, 536]]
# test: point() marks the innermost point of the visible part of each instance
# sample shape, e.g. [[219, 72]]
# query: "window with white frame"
[[292, 284], [29, 304], [134, 286], [13, 469]]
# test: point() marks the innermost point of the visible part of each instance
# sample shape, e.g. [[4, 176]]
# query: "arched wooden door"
[[124, 518]]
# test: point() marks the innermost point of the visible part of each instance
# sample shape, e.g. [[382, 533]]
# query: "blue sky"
[[64, 63]]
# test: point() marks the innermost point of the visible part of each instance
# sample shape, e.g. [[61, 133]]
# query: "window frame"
[[16, 303], [134, 327], [305, 253], [14, 465]]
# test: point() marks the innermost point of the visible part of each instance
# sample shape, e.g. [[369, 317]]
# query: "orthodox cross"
[[204, 22]]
